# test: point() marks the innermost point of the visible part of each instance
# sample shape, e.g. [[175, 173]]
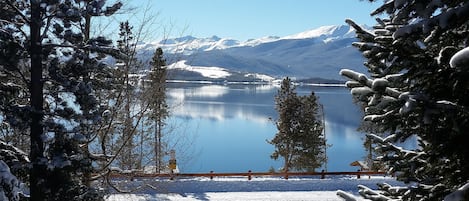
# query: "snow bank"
[[239, 188]]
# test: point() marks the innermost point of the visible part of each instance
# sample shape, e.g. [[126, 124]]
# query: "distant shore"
[[274, 83]]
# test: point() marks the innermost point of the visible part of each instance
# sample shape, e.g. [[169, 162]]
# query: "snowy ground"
[[264, 188], [229, 196]]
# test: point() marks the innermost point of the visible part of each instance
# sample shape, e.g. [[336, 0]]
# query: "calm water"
[[226, 127]]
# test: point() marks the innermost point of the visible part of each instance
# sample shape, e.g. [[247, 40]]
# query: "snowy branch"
[[11, 152], [444, 20], [460, 59], [369, 193], [388, 143], [362, 33], [365, 81], [346, 196], [377, 117]]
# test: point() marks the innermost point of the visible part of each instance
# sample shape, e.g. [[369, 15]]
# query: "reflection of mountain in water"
[[254, 102], [220, 102]]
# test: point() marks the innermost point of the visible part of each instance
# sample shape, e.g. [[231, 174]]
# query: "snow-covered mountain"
[[320, 52]]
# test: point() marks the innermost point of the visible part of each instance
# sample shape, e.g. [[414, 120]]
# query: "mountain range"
[[317, 53]]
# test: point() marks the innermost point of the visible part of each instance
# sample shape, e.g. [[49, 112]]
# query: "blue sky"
[[245, 19]]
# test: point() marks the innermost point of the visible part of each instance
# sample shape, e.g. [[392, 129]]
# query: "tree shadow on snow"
[[198, 196]]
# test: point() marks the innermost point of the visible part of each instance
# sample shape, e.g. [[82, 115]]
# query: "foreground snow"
[[239, 188], [228, 196]]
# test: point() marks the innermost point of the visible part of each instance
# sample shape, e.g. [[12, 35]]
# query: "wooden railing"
[[248, 174]]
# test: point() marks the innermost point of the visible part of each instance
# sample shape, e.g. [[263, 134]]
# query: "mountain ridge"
[[320, 52]]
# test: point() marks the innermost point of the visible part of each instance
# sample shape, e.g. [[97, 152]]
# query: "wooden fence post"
[[323, 176], [249, 175], [211, 175]]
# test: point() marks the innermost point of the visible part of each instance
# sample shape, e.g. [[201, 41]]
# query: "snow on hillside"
[[239, 188], [261, 77], [209, 72]]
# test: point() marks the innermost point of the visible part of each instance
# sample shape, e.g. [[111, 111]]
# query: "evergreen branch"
[[459, 15], [18, 11]]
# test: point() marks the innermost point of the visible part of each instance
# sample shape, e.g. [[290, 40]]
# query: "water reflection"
[[233, 125], [218, 103]]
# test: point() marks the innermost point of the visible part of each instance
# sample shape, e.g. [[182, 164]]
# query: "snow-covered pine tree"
[[58, 66], [416, 93], [299, 140]]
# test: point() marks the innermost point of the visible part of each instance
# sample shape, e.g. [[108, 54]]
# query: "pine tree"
[[416, 93], [300, 140], [156, 97], [59, 66]]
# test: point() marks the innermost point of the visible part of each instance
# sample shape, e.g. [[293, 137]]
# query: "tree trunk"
[[287, 156], [157, 147], [38, 176], [160, 148]]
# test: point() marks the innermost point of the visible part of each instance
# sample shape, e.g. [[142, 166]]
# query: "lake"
[[225, 128]]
